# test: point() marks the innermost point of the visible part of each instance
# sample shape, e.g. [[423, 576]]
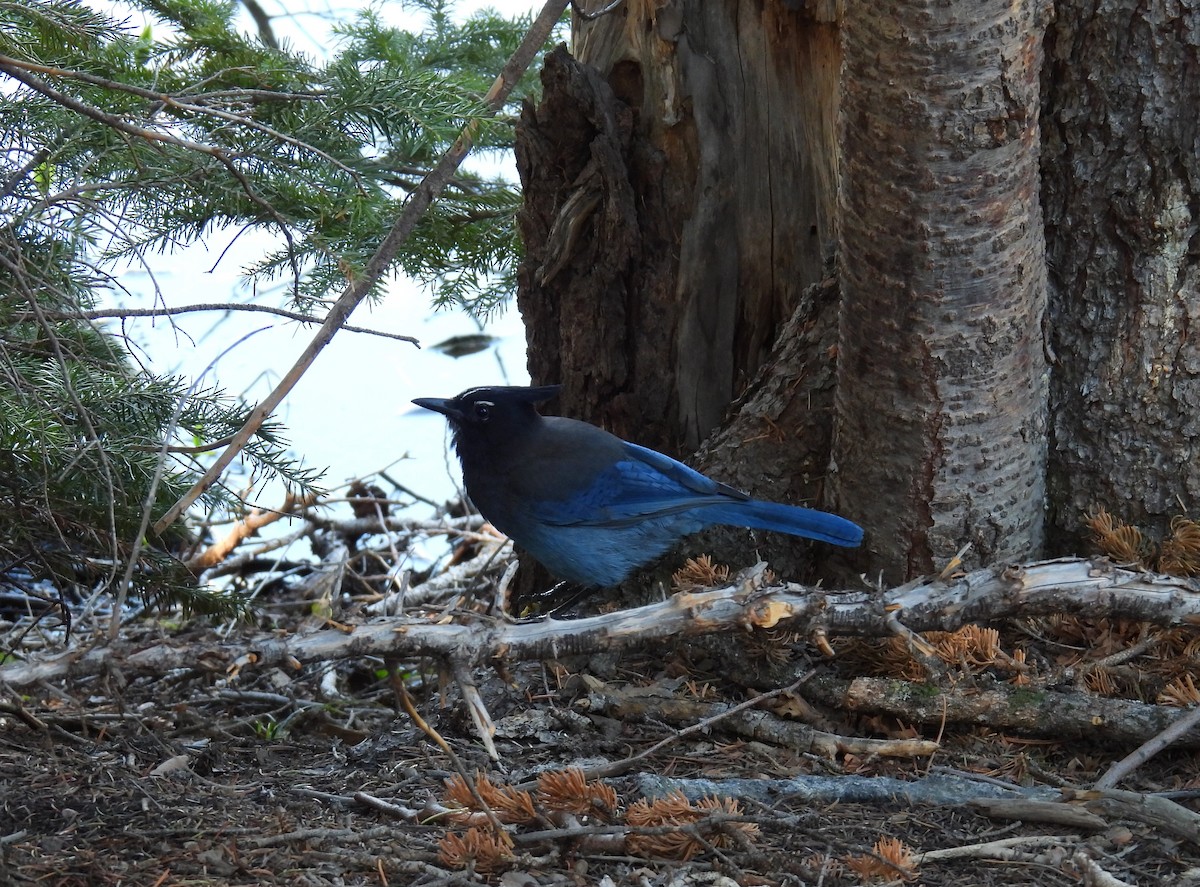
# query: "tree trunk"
[[940, 411], [680, 190], [677, 206], [1121, 185]]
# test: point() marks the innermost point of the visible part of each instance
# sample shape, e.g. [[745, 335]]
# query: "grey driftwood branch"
[[1095, 587]]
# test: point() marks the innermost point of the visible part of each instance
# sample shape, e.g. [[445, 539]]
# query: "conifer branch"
[[414, 208], [189, 105], [125, 144], [18, 70]]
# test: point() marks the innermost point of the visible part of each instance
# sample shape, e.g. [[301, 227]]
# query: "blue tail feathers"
[[791, 519]]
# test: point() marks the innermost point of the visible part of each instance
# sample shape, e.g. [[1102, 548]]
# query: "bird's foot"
[[552, 602]]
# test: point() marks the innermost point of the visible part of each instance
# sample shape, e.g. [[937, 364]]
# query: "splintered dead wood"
[[1095, 588]]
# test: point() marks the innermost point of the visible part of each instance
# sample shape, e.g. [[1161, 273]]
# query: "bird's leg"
[[550, 595], [576, 596]]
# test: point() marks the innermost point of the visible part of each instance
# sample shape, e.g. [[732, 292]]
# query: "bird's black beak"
[[447, 408]]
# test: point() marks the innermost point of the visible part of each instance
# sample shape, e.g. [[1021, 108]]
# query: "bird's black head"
[[489, 414]]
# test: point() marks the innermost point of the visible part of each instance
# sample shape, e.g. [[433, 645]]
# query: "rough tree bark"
[[677, 206], [1121, 191], [681, 185], [940, 407]]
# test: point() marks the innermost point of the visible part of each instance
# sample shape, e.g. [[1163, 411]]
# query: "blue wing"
[[646, 485], [643, 485]]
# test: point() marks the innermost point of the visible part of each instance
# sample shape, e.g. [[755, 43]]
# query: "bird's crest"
[[509, 394]]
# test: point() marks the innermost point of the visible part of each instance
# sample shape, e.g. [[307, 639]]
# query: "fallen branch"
[[1181, 724], [1095, 587], [1064, 714], [1154, 810], [1093, 874], [1032, 810], [244, 528], [1002, 850], [822, 791], [755, 724]]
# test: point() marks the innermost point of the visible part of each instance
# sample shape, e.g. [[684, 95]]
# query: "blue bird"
[[588, 505]]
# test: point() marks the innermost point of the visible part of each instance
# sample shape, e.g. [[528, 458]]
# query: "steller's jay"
[[588, 505]]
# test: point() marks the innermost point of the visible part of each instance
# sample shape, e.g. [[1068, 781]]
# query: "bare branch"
[[1183, 724], [103, 313], [262, 21], [1068, 585], [578, 9]]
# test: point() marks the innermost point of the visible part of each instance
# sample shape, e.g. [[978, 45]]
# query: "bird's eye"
[[483, 411]]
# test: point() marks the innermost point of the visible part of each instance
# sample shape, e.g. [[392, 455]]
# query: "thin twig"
[[476, 707], [1179, 728], [106, 313], [178, 104], [19, 70], [93, 437], [618, 767], [160, 466], [410, 708], [22, 71], [578, 9]]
